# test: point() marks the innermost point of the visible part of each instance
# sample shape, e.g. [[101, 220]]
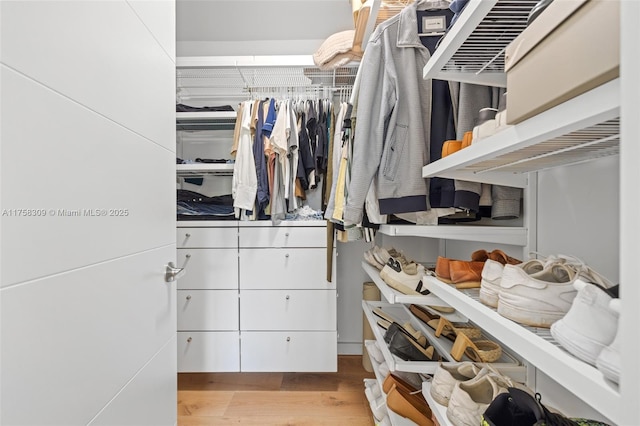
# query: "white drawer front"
[[288, 310], [283, 236], [295, 268], [208, 310], [208, 351], [207, 237], [208, 268], [290, 351]]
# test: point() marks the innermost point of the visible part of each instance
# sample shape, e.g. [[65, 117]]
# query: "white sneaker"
[[539, 299], [382, 255], [379, 407], [492, 276], [371, 260], [403, 276], [372, 392], [608, 362], [446, 377], [375, 352], [470, 399], [589, 325], [490, 283]]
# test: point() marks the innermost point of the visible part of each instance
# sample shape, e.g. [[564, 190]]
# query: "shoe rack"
[[602, 122]]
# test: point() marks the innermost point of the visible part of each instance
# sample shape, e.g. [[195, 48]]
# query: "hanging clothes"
[[262, 195], [394, 118], [244, 184]]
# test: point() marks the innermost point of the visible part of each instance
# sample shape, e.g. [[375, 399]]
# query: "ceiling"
[[257, 27]]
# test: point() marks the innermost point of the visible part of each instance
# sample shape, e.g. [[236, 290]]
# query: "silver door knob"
[[189, 297], [189, 340], [287, 297], [172, 273], [288, 339]]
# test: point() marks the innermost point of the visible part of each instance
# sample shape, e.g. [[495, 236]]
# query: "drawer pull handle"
[[288, 339], [287, 297], [189, 297], [172, 273], [286, 234], [286, 255], [189, 340]]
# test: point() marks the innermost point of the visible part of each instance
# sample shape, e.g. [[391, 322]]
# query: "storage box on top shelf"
[[571, 48]]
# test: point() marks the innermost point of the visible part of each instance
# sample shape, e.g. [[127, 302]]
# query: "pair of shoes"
[[406, 400], [467, 340], [492, 276], [542, 298], [450, 330], [406, 347], [447, 375], [404, 276], [468, 274], [478, 350], [378, 256], [469, 399], [461, 273], [589, 325], [451, 146]]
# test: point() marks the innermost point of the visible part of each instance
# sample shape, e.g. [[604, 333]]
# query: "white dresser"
[[255, 297]]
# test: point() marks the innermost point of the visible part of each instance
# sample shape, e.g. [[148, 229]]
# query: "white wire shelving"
[[513, 235], [539, 347], [472, 51], [581, 129]]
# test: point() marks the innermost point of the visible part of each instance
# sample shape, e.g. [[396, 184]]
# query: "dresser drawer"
[[296, 268], [208, 268], [291, 351], [288, 310], [283, 236], [207, 237], [208, 351], [200, 310]]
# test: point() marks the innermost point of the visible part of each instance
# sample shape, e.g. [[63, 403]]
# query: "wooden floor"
[[276, 398]]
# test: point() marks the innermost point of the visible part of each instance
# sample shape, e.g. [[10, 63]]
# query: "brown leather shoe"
[[497, 255], [451, 146], [399, 382], [466, 274], [442, 269], [412, 406]]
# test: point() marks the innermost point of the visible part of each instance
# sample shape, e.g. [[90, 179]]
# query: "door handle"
[[172, 273]]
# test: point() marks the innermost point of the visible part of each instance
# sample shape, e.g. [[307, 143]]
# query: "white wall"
[[87, 122]]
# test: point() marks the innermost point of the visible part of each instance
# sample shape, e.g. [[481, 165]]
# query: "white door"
[[87, 133]]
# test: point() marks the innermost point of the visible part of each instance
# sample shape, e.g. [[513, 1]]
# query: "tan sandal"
[[451, 330], [476, 350]]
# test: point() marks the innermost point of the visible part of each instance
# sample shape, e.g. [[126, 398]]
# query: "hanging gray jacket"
[[391, 141]]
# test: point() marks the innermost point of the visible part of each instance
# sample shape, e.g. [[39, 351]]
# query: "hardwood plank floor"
[[268, 399]]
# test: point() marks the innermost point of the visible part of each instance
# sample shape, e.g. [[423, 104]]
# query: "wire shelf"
[[245, 82], [484, 49], [597, 141]]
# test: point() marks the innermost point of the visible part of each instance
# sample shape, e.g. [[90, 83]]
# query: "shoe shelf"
[[472, 51], [395, 419], [439, 411], [584, 128], [198, 169], [507, 364], [393, 296], [490, 234], [206, 120], [537, 346]]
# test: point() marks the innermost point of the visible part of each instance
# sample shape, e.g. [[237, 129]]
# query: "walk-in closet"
[[314, 212]]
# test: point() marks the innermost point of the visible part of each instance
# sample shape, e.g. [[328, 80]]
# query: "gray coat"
[[391, 142]]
